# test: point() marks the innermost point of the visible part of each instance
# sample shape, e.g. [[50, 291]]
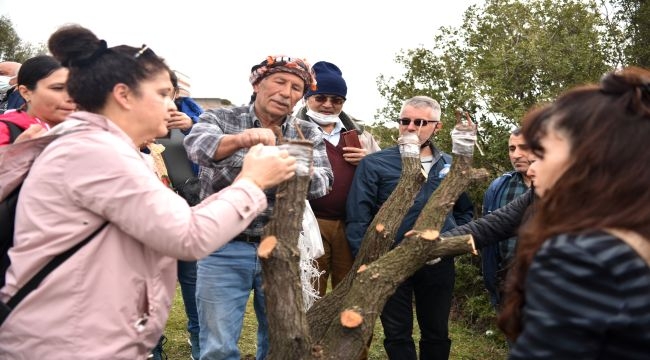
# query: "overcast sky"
[[217, 42]]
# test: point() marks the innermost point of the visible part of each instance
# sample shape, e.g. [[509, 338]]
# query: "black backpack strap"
[[32, 284], [7, 216], [14, 130]]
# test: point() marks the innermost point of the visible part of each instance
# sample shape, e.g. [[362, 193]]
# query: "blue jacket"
[[376, 177], [192, 109], [490, 253], [12, 100]]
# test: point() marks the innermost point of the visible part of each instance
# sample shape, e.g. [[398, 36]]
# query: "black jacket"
[[501, 224]]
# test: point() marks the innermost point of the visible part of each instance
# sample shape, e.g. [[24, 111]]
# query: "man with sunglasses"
[[324, 107], [218, 143], [375, 179]]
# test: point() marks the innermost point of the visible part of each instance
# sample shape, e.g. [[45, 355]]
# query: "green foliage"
[[385, 136], [506, 57], [471, 300], [634, 18], [12, 48]]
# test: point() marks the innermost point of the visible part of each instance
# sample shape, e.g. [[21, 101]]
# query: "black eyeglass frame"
[[335, 100], [417, 122]]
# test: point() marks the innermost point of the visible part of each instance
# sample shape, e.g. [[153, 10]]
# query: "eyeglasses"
[[335, 100], [417, 122]]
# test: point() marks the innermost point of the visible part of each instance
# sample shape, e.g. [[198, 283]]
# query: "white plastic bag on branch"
[[463, 136], [463, 142], [310, 243]]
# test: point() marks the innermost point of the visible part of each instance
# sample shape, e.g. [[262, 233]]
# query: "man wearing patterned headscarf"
[[218, 143]]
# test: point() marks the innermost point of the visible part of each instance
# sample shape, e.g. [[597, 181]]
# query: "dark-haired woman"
[[42, 83], [111, 299], [580, 285]]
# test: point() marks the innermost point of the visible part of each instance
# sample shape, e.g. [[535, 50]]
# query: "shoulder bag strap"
[[14, 130], [33, 283]]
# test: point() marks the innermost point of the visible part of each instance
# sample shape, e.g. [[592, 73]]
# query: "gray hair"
[[422, 101]]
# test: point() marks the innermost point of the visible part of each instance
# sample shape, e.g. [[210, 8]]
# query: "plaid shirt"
[[514, 187], [202, 142]]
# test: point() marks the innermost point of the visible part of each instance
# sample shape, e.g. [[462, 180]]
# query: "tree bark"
[[373, 285], [288, 329], [377, 241], [339, 325]]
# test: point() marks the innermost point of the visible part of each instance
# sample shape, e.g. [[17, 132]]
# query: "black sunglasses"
[[417, 122], [335, 100]]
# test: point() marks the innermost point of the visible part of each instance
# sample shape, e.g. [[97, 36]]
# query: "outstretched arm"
[[499, 225]]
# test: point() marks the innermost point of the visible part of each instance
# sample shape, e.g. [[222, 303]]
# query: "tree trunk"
[[288, 330], [373, 284], [340, 324], [377, 241]]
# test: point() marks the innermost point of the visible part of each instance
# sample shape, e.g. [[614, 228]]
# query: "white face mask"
[[4, 84], [322, 119]]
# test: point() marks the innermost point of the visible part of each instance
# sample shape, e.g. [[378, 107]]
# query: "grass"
[[467, 343]]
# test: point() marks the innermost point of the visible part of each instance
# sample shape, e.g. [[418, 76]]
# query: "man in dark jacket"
[[499, 225], [375, 179], [495, 258]]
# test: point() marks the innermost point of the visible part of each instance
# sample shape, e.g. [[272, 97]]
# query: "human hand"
[[32, 132], [268, 166], [353, 155], [179, 120], [254, 136]]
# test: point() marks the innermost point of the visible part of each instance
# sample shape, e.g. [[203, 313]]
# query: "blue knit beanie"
[[329, 80]]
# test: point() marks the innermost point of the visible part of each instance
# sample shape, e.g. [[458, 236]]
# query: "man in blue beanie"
[[323, 106]]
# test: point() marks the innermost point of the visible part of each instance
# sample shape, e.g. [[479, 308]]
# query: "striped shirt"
[[587, 297], [202, 142]]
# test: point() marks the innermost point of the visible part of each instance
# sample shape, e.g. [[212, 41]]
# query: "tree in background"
[[633, 16], [12, 48], [506, 57]]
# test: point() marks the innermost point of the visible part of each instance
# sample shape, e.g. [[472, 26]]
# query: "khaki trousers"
[[337, 259]]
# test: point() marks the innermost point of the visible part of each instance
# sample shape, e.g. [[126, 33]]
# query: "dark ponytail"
[[95, 69]]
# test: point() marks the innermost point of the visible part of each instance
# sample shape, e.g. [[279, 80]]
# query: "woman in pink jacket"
[[111, 299]]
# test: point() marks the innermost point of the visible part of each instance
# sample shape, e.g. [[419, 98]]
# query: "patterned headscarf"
[[275, 64]]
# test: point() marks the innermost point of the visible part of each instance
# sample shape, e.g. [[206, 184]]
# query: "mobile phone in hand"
[[351, 139]]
